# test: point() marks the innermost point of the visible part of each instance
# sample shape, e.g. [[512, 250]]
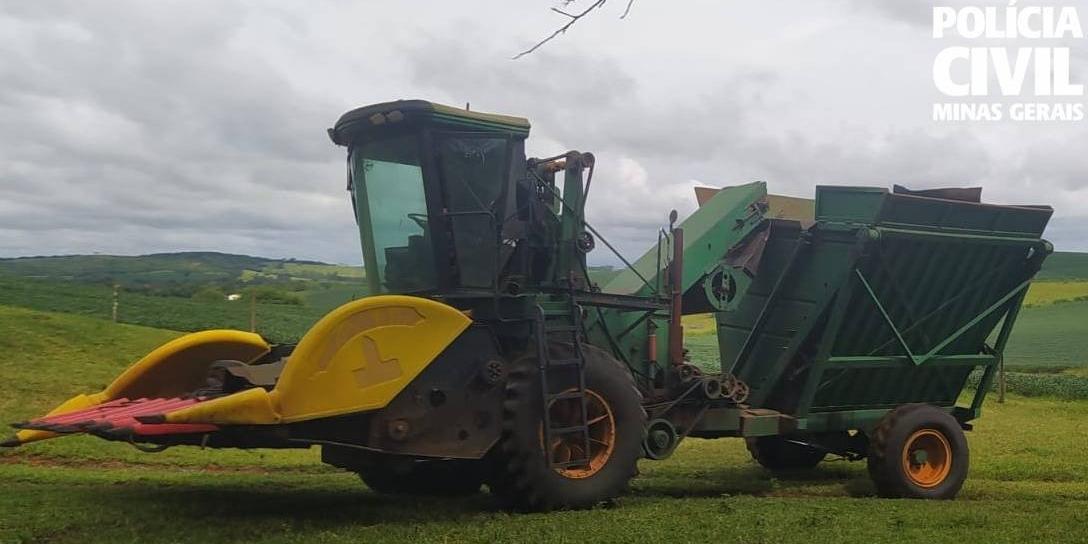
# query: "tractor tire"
[[439, 478], [777, 453], [522, 478], [918, 451]]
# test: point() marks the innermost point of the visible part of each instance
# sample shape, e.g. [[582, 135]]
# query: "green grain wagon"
[[860, 327]]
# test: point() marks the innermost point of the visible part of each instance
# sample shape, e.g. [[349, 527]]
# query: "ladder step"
[[556, 319], [564, 362]]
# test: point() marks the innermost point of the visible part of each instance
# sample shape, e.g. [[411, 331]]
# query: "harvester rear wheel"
[[444, 478], [521, 476], [918, 451], [780, 453]]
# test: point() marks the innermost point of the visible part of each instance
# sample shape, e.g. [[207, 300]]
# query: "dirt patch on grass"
[[113, 464]]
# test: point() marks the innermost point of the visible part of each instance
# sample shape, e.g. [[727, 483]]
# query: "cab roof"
[[366, 120]]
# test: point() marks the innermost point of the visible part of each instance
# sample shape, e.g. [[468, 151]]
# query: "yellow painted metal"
[[356, 358], [170, 370], [181, 365], [248, 407]]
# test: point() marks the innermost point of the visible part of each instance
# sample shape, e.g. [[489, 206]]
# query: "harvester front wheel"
[[442, 478], [781, 453], [918, 451], [522, 478]]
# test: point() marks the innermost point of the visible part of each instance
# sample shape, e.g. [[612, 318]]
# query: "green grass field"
[[1052, 335], [182, 267], [1028, 479], [277, 322], [1065, 265]]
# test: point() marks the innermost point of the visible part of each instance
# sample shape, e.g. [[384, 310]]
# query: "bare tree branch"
[[574, 17]]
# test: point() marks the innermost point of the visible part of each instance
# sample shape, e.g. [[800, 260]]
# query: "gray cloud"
[[136, 127], [651, 153], [914, 12], [144, 128]]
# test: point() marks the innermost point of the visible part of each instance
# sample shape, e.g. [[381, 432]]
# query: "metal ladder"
[[564, 321]]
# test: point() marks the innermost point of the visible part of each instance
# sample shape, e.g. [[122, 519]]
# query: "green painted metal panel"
[[716, 226], [890, 299], [378, 119], [719, 224], [848, 204], [802, 300]]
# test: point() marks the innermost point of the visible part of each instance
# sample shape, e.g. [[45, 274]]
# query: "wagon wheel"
[[918, 451]]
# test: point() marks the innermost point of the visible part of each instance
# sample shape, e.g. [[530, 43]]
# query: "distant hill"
[[185, 273], [178, 274], [1065, 265], [277, 322]]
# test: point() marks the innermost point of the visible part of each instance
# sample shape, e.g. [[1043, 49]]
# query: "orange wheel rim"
[[570, 446], [927, 458]]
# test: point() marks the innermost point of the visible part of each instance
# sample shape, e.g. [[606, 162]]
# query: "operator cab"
[[432, 187]]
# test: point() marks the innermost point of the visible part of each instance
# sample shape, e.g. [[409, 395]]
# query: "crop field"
[[305, 271], [1028, 479], [1065, 265], [185, 267], [1050, 336], [1042, 293], [329, 298], [277, 322]]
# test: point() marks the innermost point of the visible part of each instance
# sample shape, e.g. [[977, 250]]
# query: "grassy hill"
[[153, 268], [1065, 265], [183, 274], [1054, 335], [277, 322], [320, 285], [184, 291], [47, 357]]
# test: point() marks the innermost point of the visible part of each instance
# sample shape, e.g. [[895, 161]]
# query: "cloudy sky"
[[148, 126]]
